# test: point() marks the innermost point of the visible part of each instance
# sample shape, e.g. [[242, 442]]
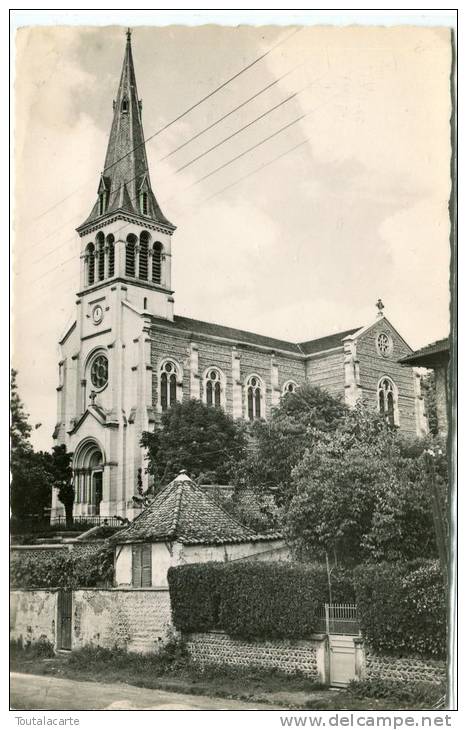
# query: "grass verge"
[[172, 670]]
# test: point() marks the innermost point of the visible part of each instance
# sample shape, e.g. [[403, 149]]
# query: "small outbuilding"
[[184, 525]]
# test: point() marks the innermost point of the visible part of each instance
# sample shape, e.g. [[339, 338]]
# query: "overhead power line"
[[176, 119]]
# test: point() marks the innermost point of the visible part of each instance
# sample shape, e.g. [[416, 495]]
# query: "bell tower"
[[105, 392], [126, 237]]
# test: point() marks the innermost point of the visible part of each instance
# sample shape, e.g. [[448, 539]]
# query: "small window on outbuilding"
[[141, 566]]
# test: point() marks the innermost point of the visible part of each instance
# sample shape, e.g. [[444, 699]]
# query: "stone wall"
[[134, 619], [289, 656], [407, 669], [33, 616], [137, 620]]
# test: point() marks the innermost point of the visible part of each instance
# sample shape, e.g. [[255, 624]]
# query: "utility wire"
[[176, 119]]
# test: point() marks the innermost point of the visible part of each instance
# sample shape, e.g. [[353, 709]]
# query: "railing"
[[338, 618], [86, 520]]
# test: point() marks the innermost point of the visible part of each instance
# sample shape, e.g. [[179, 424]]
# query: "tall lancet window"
[[213, 388], [125, 104], [157, 262], [143, 255], [111, 254], [254, 397], [90, 262], [130, 255], [388, 401], [100, 243], [144, 204], [169, 374]]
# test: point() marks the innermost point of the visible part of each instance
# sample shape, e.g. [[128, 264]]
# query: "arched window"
[[388, 401], [125, 104], [213, 388], [157, 262], [130, 255], [100, 255], [111, 254], [143, 255], [90, 262], [254, 397], [144, 203], [289, 387], [169, 374]]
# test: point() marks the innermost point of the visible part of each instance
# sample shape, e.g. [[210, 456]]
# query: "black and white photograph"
[[233, 367]]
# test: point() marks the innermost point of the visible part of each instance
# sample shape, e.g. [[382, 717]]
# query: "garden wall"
[[136, 620], [33, 616], [407, 669], [289, 656]]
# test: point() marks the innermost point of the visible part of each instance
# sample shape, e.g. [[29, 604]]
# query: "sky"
[[351, 203]]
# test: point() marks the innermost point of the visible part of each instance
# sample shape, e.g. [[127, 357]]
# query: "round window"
[[100, 371], [384, 344]]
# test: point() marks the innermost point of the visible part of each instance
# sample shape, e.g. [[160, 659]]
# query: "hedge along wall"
[[261, 600], [403, 608], [86, 565]]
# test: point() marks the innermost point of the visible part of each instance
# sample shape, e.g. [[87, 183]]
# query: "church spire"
[[125, 183]]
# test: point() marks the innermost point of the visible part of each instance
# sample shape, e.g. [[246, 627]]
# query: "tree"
[[277, 446], [428, 388], [61, 476], [30, 491], [35, 473], [201, 439], [362, 493]]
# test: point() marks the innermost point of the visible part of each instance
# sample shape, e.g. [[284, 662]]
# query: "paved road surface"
[[32, 692]]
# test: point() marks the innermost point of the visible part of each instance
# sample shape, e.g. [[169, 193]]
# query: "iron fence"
[[338, 618]]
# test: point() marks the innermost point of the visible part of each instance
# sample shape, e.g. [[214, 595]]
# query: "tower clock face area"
[[97, 314]]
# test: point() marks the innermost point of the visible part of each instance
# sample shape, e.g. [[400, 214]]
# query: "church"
[[128, 357]]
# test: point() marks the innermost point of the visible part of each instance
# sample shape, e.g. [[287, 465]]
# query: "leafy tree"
[[61, 476], [277, 446], [428, 388], [362, 493], [35, 473], [30, 491], [203, 440]]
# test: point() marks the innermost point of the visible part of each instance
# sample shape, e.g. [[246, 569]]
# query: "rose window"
[[100, 371]]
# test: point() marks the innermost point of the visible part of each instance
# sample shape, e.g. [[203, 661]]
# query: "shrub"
[[252, 599], [423, 693], [402, 608], [63, 569]]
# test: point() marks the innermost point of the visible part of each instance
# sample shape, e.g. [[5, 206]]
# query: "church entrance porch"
[[88, 479]]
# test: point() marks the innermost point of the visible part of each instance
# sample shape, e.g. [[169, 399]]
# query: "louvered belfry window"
[[141, 566], [157, 262], [143, 255]]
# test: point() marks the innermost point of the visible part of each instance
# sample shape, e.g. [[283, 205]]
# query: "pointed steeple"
[[125, 183]]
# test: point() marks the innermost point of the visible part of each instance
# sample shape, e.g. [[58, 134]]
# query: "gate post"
[[359, 658], [326, 610]]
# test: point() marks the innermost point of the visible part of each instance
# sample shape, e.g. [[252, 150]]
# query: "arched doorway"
[[88, 477]]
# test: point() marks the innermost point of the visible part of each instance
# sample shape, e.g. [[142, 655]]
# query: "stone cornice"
[[85, 228]]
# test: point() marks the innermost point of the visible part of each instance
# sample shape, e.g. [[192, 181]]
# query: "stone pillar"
[[351, 373], [275, 390], [441, 385], [237, 411], [359, 658], [421, 424], [194, 371], [322, 658]]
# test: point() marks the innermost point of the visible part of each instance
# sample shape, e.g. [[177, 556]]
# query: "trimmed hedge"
[[403, 608], [63, 569], [252, 599]]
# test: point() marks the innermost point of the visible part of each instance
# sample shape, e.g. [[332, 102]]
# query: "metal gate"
[[64, 611], [340, 622]]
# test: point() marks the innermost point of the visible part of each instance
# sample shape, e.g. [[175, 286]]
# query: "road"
[[33, 692]]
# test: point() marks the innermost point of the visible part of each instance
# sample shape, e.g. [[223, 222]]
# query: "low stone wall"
[[33, 616], [407, 669], [289, 656], [136, 620]]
